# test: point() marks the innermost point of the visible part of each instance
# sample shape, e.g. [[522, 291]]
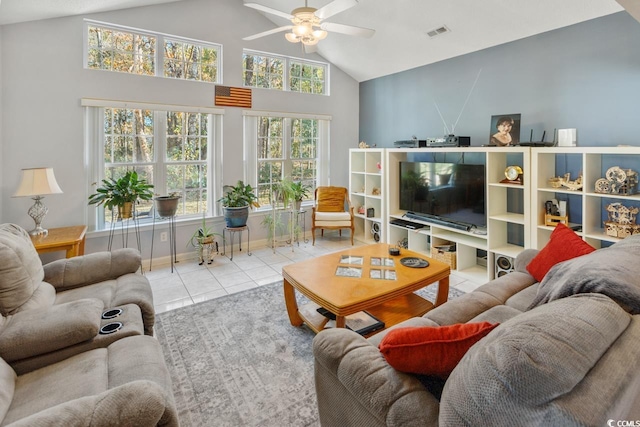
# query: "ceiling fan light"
[[310, 41], [301, 30], [319, 34], [292, 37]]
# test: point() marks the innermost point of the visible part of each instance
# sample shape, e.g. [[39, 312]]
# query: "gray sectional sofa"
[[566, 352]]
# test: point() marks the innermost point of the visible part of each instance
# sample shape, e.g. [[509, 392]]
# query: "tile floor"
[[191, 283]]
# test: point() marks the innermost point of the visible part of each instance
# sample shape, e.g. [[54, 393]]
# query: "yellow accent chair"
[[332, 210]]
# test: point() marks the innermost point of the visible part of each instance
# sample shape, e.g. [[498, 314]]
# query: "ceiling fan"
[[308, 27]]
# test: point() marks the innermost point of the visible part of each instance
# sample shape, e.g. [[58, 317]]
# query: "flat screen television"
[[450, 191]]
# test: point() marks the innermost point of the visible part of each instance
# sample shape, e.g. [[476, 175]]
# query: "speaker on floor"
[[504, 265], [375, 231]]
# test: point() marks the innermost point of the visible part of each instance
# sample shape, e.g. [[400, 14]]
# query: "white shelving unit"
[[508, 209], [366, 168], [515, 213], [586, 207]]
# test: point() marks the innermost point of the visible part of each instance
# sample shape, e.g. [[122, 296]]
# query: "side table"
[[69, 239], [232, 231]]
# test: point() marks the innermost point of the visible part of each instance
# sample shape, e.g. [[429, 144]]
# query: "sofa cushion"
[[614, 271], [21, 270], [7, 387], [431, 350], [563, 245], [513, 376]]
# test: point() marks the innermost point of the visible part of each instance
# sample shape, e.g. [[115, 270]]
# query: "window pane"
[[122, 51], [184, 60]]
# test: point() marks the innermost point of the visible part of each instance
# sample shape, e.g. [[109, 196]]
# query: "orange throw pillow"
[[563, 245], [431, 350]]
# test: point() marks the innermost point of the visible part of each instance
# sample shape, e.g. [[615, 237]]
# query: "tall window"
[[116, 48], [295, 147], [270, 71], [170, 149]]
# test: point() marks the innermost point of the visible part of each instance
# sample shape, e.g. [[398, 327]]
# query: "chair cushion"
[[330, 199], [21, 270], [515, 374], [431, 350], [333, 216], [7, 387], [563, 245]]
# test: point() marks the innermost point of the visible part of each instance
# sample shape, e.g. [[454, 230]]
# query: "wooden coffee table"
[[391, 301]]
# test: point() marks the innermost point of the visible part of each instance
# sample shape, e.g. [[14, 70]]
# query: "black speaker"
[[504, 265], [464, 141], [375, 231]]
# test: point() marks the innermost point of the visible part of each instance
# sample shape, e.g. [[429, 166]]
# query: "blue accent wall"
[[586, 76]]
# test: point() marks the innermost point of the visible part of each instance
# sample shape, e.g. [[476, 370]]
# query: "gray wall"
[[43, 81], [586, 76]]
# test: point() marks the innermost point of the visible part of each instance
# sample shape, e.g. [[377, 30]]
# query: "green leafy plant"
[[202, 234], [239, 196], [117, 192], [300, 190]]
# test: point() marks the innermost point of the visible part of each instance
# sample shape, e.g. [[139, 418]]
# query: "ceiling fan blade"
[[268, 33], [347, 29], [266, 9], [334, 8]]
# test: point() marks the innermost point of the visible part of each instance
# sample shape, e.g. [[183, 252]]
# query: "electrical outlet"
[[163, 237]]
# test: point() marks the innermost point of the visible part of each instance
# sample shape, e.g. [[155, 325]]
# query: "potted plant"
[[204, 240], [236, 202], [122, 193], [203, 235], [166, 206], [300, 191]]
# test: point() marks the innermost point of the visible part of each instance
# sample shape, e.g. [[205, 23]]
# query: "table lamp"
[[37, 182]]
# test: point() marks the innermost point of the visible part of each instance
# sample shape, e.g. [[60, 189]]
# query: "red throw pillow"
[[431, 350], [563, 245]]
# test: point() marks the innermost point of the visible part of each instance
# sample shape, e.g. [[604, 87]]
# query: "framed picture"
[[505, 130]]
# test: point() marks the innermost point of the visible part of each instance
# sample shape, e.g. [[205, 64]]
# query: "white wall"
[[43, 81]]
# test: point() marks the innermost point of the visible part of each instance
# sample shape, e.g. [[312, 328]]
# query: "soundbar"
[[438, 220]]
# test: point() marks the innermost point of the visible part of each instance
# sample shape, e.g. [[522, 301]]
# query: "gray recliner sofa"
[[123, 384], [51, 312], [566, 353]]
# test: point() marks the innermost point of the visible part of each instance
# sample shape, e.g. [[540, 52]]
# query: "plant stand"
[[232, 231], [206, 252], [172, 240]]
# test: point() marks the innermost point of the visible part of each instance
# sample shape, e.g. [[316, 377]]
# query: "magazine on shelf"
[[361, 322]]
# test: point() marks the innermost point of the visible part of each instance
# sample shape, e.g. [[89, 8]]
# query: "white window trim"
[[159, 57], [285, 77], [250, 146], [93, 119]]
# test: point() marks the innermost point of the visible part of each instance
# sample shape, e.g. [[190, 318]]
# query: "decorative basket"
[[444, 256], [553, 220]]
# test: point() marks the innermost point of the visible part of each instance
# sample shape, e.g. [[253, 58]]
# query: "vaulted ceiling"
[[401, 41]]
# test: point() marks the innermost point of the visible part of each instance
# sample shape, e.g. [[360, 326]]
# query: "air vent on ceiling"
[[438, 31]]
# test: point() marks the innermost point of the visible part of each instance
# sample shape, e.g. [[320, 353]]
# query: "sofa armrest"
[[85, 270], [33, 332], [523, 259], [138, 403], [356, 386]]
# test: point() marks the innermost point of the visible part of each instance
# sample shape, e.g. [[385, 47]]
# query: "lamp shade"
[[37, 182]]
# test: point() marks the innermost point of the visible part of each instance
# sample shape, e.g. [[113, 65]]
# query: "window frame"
[[94, 146], [250, 121], [286, 77], [159, 56]]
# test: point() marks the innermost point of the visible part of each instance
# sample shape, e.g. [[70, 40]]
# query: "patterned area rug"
[[237, 361]]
